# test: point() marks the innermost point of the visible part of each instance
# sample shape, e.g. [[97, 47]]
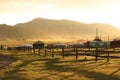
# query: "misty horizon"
[[48, 29], [86, 11]]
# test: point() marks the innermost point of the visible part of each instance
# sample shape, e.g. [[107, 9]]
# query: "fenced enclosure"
[[61, 63], [96, 53], [94, 49]]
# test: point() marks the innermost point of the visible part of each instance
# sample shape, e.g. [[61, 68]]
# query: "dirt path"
[[5, 61]]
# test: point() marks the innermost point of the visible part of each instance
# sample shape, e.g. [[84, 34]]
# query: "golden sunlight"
[[88, 11]]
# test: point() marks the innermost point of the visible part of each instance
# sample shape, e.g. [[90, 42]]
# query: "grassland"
[[29, 66]]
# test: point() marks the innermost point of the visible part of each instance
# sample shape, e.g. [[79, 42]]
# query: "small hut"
[[115, 43], [38, 45], [26, 46], [50, 46], [1, 47], [75, 45], [11, 48], [60, 45], [97, 43]]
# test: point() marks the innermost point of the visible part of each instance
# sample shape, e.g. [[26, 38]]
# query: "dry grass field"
[[28, 66]]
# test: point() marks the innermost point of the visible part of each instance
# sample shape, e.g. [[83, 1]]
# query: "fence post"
[[52, 51], [76, 50], [39, 51], [63, 52], [45, 52], [108, 58], [96, 55], [34, 50]]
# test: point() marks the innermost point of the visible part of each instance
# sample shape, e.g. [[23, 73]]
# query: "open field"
[[29, 66]]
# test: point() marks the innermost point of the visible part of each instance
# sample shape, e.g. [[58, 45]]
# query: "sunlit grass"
[[29, 66]]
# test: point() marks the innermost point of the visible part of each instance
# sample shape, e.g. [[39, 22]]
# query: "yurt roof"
[[97, 40], [75, 44], [116, 39], [39, 42], [26, 44], [59, 44]]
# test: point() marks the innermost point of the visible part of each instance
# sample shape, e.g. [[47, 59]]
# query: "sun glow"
[[12, 19], [104, 11]]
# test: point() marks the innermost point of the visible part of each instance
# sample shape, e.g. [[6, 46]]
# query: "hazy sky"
[[88, 11]]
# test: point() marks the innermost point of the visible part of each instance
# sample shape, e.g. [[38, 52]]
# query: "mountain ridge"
[[40, 28]]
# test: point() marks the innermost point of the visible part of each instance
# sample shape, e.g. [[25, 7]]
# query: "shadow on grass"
[[12, 74], [51, 66], [5, 61], [45, 77], [115, 72], [97, 66], [12, 77]]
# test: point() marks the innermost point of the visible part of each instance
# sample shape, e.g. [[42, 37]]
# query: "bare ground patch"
[[5, 61]]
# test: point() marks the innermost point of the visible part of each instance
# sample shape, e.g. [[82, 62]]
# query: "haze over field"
[[88, 11], [59, 40]]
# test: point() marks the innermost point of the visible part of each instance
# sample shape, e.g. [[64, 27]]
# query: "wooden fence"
[[94, 52]]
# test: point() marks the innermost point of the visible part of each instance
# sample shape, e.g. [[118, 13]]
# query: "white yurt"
[[75, 45], [60, 45]]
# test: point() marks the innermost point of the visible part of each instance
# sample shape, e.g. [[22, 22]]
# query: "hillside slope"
[[40, 28]]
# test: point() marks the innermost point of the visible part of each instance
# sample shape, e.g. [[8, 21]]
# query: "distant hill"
[[8, 32], [40, 28]]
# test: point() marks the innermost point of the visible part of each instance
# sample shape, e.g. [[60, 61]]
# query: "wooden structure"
[[115, 43], [60, 45], [96, 52], [38, 46], [49, 48], [97, 43], [1, 47], [27, 47]]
